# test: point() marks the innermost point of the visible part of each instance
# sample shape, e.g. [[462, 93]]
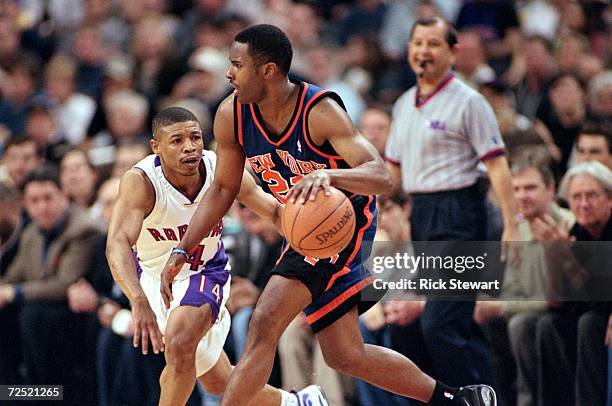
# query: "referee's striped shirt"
[[440, 141]]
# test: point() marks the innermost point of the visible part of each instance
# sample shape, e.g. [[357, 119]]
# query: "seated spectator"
[[126, 114], [560, 116], [55, 251], [600, 94], [375, 124], [79, 179], [17, 87], [11, 227], [471, 63], [570, 337], [594, 143], [21, 155], [73, 111], [517, 130], [128, 153], [510, 322], [42, 128]]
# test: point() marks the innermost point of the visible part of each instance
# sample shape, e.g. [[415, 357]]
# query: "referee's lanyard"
[[420, 100]]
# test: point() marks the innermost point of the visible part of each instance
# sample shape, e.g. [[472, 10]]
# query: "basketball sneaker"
[[476, 395], [311, 395]]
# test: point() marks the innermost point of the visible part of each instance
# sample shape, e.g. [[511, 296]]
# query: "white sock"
[[288, 399]]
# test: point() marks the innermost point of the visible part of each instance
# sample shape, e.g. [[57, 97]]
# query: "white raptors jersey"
[[163, 228]]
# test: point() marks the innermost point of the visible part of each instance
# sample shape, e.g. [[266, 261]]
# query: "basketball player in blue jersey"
[[295, 135], [157, 199]]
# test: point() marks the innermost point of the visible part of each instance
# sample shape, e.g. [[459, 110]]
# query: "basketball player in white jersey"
[[157, 199]]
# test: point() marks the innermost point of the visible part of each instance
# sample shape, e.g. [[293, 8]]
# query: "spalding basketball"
[[322, 227]]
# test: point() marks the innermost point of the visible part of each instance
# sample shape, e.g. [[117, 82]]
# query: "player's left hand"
[[307, 187], [171, 269], [609, 332]]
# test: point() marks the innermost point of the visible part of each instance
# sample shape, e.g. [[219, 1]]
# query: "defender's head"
[[177, 140]]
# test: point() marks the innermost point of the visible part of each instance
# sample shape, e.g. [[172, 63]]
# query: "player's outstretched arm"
[[368, 174], [217, 199], [226, 184], [135, 201], [261, 203]]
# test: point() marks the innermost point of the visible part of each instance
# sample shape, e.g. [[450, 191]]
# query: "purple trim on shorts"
[[219, 260], [195, 297], [137, 263]]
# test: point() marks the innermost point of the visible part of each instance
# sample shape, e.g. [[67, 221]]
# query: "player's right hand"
[[145, 327], [171, 269]]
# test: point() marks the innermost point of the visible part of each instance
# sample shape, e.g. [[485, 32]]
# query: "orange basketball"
[[322, 227]]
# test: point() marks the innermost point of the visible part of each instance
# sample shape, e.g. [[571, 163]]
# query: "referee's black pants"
[[458, 348]]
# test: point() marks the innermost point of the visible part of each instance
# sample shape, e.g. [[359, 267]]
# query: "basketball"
[[322, 227]]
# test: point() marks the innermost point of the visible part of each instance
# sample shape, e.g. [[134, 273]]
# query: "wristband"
[[179, 251]]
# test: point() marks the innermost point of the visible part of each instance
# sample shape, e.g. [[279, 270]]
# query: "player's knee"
[[213, 385], [264, 326], [180, 351]]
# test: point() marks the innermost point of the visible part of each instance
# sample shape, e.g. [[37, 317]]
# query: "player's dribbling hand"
[[145, 327], [171, 269], [309, 185]]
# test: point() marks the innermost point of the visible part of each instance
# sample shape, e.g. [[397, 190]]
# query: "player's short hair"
[[267, 43], [598, 128], [535, 161], [170, 116], [43, 173], [451, 32]]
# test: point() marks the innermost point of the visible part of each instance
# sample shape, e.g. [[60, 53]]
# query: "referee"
[[442, 129]]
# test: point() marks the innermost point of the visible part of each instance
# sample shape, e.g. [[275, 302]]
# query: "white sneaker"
[[312, 395]]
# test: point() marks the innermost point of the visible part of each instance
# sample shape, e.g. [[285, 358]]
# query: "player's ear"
[[154, 145], [269, 69]]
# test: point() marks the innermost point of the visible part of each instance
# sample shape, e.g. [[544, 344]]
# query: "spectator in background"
[[205, 82], [365, 17], [571, 352], [517, 130], [114, 33], [600, 94], [498, 24], [42, 128], [126, 114], [374, 124], [79, 179], [9, 41], [325, 71], [540, 68], [303, 29], [594, 143], [17, 86], [90, 54], [55, 251], [510, 321], [157, 68], [561, 114], [571, 49], [129, 152], [471, 63], [11, 227], [73, 111], [21, 156]]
